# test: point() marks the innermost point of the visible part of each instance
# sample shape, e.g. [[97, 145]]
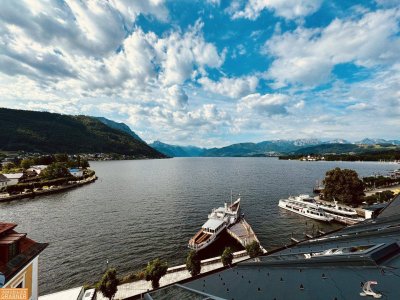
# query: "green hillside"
[[45, 132], [330, 148]]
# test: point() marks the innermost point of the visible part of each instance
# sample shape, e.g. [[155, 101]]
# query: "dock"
[[243, 233]]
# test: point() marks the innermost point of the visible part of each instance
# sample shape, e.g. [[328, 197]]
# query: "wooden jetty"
[[243, 233]]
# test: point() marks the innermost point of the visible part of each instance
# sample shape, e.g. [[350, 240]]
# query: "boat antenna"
[[231, 196]]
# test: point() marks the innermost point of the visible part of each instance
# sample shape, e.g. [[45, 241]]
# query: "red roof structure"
[[16, 250]]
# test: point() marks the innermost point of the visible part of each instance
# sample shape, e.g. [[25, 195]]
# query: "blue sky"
[[209, 73]]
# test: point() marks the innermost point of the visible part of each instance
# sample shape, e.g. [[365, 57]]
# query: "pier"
[[243, 233]]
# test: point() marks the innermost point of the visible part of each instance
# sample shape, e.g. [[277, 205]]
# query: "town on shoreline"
[[30, 175]]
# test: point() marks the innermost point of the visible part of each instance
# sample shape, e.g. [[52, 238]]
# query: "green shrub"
[[253, 249], [227, 257], [193, 264]]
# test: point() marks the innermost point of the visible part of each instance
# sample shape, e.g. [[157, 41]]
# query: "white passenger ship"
[[305, 208], [218, 220], [339, 213]]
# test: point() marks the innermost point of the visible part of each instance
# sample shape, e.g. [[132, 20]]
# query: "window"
[[20, 283], [13, 250]]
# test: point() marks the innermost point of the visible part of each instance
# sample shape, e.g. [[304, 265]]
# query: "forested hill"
[[45, 132]]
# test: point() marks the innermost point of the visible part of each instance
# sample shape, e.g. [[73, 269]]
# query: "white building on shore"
[[13, 178]]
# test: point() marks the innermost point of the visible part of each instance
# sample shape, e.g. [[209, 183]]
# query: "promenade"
[[174, 274]]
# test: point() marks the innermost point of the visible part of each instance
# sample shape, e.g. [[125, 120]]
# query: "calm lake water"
[[140, 210]]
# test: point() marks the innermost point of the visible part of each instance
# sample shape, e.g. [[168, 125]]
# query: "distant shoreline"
[[49, 191]]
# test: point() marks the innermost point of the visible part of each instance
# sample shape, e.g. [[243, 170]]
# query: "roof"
[[3, 178], [29, 249], [14, 175], [74, 170], [71, 294], [8, 239], [331, 266], [6, 227], [212, 224], [41, 167]]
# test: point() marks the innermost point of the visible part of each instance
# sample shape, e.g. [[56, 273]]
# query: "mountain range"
[[279, 147], [45, 132]]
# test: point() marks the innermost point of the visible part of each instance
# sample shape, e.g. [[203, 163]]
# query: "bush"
[[227, 256], [193, 264], [381, 197], [154, 270], [108, 285], [55, 170], [253, 249]]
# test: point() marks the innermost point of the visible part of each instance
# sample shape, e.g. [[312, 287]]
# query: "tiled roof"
[[29, 249]]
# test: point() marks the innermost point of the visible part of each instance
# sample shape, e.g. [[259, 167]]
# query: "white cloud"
[[288, 9], [91, 28], [179, 53], [177, 97], [359, 106], [231, 87], [214, 2], [307, 56], [268, 104], [388, 3]]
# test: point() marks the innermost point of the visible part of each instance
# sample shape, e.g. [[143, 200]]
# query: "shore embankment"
[[50, 190]]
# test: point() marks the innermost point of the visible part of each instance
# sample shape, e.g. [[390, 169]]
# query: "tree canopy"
[[154, 270], [253, 249], [227, 256], [343, 186], [108, 285], [55, 170], [193, 264]]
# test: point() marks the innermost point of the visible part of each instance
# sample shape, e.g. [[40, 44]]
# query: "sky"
[[208, 73]]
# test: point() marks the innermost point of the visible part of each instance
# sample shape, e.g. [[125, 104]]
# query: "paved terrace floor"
[[174, 274]]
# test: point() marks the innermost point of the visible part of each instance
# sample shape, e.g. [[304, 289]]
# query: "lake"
[[144, 209]]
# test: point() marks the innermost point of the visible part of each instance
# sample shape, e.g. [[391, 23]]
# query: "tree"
[[227, 256], [61, 157], [55, 170], [108, 285], [343, 186], [193, 263], [381, 197], [253, 249], [154, 270], [26, 163], [83, 163], [8, 167]]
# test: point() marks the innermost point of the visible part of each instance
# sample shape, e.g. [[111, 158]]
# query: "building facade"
[[19, 260], [3, 182]]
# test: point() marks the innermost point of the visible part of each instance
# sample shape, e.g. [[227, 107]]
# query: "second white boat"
[[307, 209]]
